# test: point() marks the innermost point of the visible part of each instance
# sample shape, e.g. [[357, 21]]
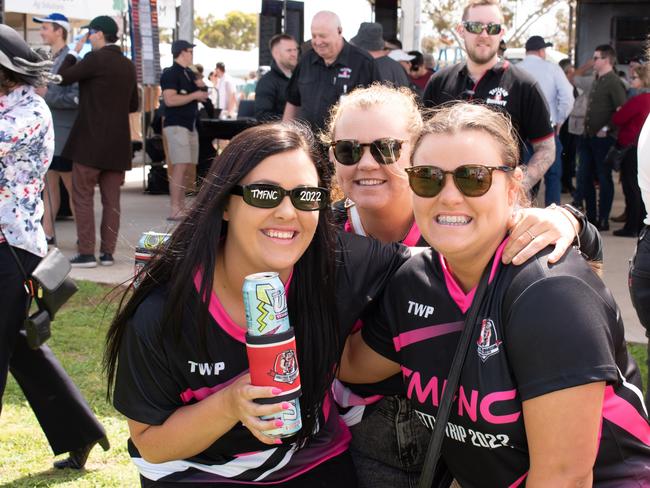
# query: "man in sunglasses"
[[499, 84]]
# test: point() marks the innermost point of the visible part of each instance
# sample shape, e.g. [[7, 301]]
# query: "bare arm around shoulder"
[[542, 160], [193, 428], [361, 364], [562, 430]]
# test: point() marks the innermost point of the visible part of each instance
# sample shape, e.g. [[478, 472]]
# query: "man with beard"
[[499, 84], [332, 68], [270, 92]]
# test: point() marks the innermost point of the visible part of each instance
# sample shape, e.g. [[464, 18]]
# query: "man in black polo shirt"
[[180, 95], [271, 90], [331, 69], [498, 83]]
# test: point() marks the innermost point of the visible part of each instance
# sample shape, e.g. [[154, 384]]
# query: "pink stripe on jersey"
[[519, 481], [418, 335], [205, 392], [618, 411], [413, 236], [347, 227], [219, 314], [463, 300]]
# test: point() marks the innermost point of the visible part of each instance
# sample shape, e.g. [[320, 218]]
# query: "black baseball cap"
[[180, 46], [535, 43], [103, 23]]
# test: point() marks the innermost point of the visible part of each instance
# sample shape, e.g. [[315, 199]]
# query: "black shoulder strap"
[[435, 444], [27, 282]]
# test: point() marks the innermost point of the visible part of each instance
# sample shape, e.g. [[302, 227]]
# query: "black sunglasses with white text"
[[266, 195], [472, 180]]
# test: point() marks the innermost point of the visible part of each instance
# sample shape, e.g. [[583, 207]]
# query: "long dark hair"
[[195, 245]]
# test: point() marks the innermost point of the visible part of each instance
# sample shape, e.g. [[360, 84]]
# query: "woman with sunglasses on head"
[[370, 162], [548, 395], [176, 350]]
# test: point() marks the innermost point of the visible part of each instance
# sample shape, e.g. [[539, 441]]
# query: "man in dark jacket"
[[271, 90], [100, 141]]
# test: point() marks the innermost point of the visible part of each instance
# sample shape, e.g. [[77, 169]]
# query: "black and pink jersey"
[[157, 374], [542, 328]]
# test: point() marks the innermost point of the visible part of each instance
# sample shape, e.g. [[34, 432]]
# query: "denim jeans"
[[639, 281], [553, 177], [592, 165], [389, 445]]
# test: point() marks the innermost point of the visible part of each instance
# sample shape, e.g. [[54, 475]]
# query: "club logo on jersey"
[[488, 342], [285, 367], [345, 72], [497, 96]]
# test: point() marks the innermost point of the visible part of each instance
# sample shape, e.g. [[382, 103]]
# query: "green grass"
[[25, 456], [77, 340]]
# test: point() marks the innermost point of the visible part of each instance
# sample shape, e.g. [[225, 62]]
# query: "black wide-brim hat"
[[13, 46]]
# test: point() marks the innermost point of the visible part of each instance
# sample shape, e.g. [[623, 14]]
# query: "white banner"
[[73, 9], [167, 14]]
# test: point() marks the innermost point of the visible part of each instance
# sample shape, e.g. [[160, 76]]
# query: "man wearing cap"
[[271, 90], [558, 94], [64, 103], [181, 96], [371, 38], [498, 84], [100, 141], [330, 69]]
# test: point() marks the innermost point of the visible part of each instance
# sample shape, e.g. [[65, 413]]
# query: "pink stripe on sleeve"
[[519, 481], [418, 335], [618, 411]]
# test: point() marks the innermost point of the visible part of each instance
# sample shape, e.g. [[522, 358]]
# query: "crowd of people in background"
[[410, 157]]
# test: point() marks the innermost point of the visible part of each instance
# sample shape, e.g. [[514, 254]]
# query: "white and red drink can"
[[145, 249], [271, 348]]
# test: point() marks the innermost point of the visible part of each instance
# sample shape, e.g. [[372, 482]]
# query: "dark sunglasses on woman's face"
[[266, 195], [477, 27], [349, 151], [472, 180]]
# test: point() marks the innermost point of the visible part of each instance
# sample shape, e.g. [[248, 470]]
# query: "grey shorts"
[[181, 145]]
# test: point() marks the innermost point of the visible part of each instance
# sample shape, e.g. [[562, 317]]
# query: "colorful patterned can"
[[145, 249], [271, 348]]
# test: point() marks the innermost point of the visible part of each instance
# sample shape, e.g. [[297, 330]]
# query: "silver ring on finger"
[[531, 235]]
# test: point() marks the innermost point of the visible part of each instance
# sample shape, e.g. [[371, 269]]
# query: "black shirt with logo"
[[542, 329], [504, 87], [157, 374], [315, 87], [182, 81]]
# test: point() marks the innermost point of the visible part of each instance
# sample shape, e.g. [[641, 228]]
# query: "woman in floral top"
[[26, 147]]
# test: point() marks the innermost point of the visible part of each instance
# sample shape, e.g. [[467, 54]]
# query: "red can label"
[[273, 362]]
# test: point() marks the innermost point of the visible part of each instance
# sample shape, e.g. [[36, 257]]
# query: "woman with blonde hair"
[[548, 394], [371, 135]]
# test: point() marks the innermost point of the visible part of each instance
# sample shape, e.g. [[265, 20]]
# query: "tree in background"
[[237, 31]]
